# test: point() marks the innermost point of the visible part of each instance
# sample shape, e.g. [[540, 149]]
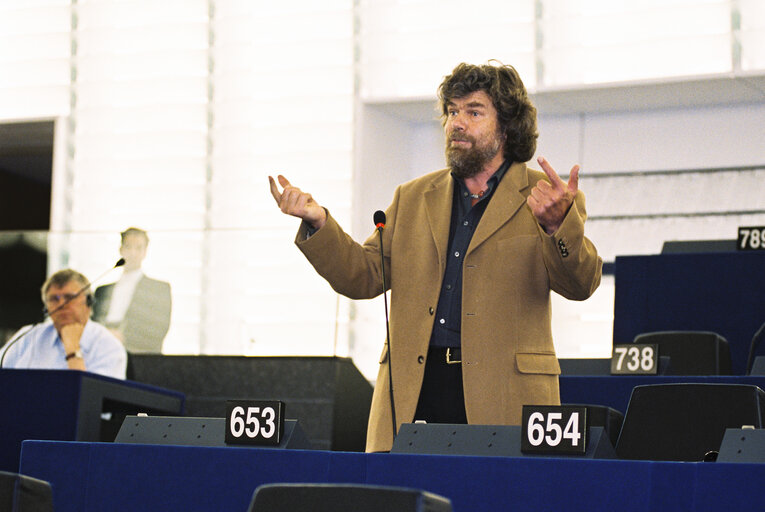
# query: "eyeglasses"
[[64, 297]]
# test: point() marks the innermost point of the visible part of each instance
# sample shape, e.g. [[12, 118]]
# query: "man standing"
[[471, 255], [71, 340], [136, 308]]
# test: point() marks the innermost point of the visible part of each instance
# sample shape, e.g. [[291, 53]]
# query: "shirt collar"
[[132, 274], [492, 181]]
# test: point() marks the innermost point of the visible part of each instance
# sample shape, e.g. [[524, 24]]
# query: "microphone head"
[[379, 218], [119, 263]]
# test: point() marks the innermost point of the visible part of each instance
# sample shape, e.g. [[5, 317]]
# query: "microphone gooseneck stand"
[[379, 220]]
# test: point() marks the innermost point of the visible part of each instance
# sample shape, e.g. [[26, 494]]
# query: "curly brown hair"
[[516, 115]]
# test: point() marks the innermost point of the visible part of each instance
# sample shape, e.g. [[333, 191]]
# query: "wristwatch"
[[77, 353]]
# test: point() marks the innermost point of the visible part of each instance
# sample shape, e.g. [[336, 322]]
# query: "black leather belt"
[[453, 355], [448, 355]]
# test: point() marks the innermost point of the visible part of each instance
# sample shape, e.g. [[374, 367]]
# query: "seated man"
[[71, 340]]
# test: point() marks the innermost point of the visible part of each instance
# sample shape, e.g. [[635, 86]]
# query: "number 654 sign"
[[254, 422], [554, 429]]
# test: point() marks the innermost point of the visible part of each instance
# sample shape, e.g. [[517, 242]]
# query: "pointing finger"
[[573, 180], [550, 172], [284, 182], [274, 190]]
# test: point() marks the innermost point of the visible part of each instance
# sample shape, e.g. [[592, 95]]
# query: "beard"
[[467, 162]]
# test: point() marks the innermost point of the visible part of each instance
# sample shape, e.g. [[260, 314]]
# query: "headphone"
[[90, 301]]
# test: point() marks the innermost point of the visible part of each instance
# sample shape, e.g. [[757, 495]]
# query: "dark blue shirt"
[[465, 219]]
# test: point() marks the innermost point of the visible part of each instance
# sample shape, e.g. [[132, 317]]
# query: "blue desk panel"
[[66, 405], [719, 292], [118, 477]]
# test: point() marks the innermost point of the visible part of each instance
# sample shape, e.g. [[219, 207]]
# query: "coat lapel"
[[505, 203], [438, 205]]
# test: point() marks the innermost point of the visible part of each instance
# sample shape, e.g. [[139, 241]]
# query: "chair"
[[24, 494], [750, 365], [684, 422], [602, 416], [691, 352], [345, 497], [758, 367]]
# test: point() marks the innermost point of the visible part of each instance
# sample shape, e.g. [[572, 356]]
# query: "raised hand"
[[70, 335], [295, 202], [550, 202]]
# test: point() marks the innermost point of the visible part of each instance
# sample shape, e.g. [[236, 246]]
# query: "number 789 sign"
[[751, 238]]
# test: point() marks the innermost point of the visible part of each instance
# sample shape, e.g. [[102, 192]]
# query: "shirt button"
[[457, 254], [464, 194], [420, 359], [442, 321], [448, 287], [430, 310], [465, 223]]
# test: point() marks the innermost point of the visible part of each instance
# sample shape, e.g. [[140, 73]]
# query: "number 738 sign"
[[635, 359]]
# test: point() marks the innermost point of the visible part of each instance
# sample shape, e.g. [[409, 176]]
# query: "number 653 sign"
[[254, 422]]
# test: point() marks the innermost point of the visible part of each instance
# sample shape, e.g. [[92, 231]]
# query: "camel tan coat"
[[508, 358]]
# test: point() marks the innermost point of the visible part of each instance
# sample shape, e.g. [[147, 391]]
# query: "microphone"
[[379, 220], [47, 313]]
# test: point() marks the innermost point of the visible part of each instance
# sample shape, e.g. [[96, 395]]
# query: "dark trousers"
[[442, 399]]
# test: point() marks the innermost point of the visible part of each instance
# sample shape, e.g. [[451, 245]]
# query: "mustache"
[[454, 137]]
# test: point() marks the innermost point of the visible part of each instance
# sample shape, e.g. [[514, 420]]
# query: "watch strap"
[[77, 353]]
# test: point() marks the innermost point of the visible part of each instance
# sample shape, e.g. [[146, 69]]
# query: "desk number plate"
[[550, 429], [635, 359], [751, 239], [254, 422]]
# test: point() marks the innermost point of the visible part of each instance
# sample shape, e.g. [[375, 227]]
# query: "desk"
[[67, 405], [120, 477], [328, 395]]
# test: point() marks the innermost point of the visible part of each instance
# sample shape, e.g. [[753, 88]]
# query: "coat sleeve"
[[572, 261], [352, 269]]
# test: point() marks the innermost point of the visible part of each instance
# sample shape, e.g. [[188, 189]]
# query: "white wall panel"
[[701, 138]]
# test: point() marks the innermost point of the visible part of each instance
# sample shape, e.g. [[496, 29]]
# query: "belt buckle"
[[449, 359]]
